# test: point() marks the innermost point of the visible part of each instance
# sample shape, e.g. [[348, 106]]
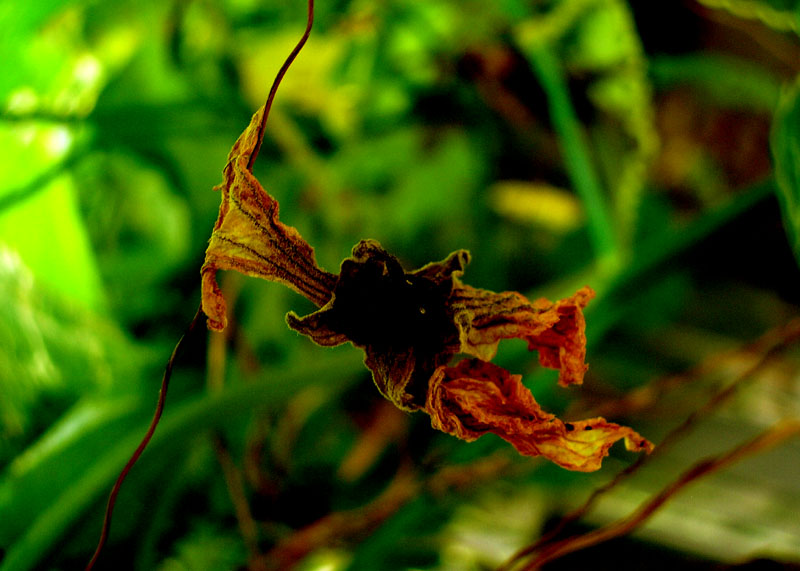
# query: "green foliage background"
[[650, 150]]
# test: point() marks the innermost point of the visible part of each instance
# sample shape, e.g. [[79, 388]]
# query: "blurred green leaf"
[[208, 549], [406, 541], [184, 421], [781, 15], [62, 257], [602, 37], [35, 479], [785, 144], [607, 44], [577, 156], [50, 346], [140, 230], [19, 43], [733, 82]]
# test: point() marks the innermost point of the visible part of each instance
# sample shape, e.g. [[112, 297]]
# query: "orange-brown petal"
[[249, 238], [555, 330], [475, 398]]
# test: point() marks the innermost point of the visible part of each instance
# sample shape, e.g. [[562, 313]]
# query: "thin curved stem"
[[273, 90], [162, 397]]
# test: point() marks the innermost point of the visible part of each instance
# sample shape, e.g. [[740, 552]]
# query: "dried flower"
[[411, 325]]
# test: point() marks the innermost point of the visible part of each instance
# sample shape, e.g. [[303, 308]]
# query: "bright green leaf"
[[59, 256]]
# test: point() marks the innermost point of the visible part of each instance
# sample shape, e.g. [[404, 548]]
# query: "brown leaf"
[[476, 397], [249, 238]]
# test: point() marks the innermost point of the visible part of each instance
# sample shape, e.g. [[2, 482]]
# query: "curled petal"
[[446, 270], [315, 327], [475, 398], [555, 330], [213, 301], [396, 375], [249, 238]]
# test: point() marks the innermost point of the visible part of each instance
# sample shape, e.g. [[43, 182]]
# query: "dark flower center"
[[377, 303]]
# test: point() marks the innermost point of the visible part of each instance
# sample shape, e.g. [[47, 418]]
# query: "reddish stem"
[[162, 397], [277, 82]]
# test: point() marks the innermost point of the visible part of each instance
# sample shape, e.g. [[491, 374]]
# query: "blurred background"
[[647, 149]]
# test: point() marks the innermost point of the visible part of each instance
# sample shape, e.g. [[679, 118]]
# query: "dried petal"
[[555, 330], [316, 327], [400, 376], [249, 238], [444, 271], [476, 397]]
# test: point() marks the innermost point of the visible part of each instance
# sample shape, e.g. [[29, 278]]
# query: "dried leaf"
[[476, 397], [249, 238]]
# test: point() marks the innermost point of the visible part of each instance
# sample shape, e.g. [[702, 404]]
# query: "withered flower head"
[[411, 325]]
